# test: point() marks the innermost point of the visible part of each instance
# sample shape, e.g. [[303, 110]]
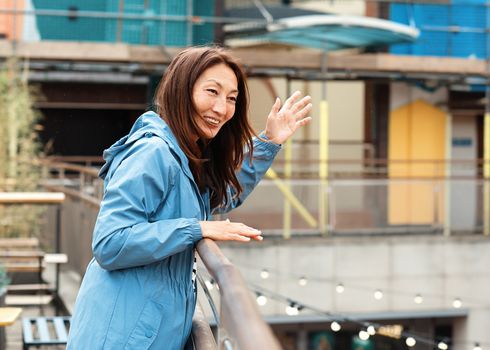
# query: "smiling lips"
[[212, 121]]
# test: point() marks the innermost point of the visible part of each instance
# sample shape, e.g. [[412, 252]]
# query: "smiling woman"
[[204, 91], [196, 156], [215, 95]]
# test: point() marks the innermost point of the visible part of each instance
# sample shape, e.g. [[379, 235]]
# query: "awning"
[[313, 29]]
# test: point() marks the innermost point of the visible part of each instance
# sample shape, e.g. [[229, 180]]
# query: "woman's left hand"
[[283, 122]]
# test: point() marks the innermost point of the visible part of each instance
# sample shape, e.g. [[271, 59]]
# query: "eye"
[[232, 99], [212, 91]]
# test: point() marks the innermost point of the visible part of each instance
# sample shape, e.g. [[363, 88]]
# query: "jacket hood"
[[147, 125]]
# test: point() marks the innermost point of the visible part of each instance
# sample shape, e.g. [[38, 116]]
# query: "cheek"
[[230, 112], [202, 102]]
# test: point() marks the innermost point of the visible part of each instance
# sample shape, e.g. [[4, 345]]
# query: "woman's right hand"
[[229, 231]]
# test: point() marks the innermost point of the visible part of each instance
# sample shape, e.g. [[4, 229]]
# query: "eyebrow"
[[221, 85]]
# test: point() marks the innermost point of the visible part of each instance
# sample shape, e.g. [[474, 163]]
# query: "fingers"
[[229, 231], [301, 104], [244, 230], [243, 233], [291, 100], [304, 111], [240, 238], [236, 237], [303, 121], [276, 107], [299, 109]]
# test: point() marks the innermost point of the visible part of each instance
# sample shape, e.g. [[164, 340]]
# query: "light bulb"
[[410, 342], [335, 326], [264, 274], [442, 345], [292, 310], [261, 299], [363, 335], [418, 299], [378, 294], [371, 330], [457, 303], [302, 281], [340, 288]]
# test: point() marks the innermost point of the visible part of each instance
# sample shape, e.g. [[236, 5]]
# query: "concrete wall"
[[438, 268]]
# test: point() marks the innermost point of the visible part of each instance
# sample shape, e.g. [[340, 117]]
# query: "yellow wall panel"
[[416, 151]]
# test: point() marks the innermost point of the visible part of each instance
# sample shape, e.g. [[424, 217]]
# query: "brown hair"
[[212, 164]]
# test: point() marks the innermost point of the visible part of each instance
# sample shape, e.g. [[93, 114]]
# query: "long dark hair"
[[214, 163]]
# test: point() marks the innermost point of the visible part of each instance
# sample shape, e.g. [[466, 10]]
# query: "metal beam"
[[280, 61]]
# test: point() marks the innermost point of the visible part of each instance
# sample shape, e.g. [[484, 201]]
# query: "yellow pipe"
[[323, 170], [486, 175], [291, 198], [447, 183], [288, 169]]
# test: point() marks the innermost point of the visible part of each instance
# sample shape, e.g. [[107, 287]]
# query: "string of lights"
[[366, 328], [419, 297]]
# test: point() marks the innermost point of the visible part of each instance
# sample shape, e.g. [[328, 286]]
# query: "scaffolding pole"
[[323, 144], [288, 170], [486, 169]]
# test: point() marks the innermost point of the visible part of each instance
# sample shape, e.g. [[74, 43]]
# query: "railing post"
[[486, 172], [323, 171], [447, 172], [436, 203], [58, 249], [81, 181], [288, 149], [323, 144]]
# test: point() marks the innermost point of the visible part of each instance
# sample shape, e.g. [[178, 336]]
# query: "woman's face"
[[215, 94]]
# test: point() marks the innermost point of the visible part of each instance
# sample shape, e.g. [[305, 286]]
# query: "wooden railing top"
[[66, 162], [31, 197], [76, 159], [92, 171]]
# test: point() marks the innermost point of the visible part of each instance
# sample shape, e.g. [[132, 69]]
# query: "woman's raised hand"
[[283, 122], [229, 231]]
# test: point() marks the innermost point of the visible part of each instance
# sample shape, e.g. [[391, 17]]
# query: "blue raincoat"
[[137, 292]]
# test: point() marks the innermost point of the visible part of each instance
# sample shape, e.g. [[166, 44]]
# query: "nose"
[[219, 106]]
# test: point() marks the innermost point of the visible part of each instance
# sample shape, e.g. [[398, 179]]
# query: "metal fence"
[[361, 197]]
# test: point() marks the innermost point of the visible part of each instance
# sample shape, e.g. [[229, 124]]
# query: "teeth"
[[212, 120]]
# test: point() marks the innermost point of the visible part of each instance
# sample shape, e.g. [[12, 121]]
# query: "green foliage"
[[19, 149]]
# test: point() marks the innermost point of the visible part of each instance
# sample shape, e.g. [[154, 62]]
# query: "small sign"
[[392, 331], [462, 142]]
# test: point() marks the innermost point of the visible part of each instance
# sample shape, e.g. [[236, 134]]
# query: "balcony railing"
[[362, 197]]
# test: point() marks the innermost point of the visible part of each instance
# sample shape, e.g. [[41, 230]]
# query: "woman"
[[163, 180]]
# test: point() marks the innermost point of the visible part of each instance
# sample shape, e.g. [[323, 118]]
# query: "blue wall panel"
[[203, 33], [456, 29], [74, 28], [134, 31]]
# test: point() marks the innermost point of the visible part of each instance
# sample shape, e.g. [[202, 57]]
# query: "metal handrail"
[[237, 305], [202, 337]]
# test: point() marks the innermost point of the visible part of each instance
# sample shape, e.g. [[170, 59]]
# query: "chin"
[[210, 134]]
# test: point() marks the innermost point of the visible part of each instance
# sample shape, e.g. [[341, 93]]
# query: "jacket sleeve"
[[124, 235], [251, 172]]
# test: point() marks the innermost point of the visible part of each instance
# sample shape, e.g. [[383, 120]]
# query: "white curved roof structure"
[[322, 31]]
